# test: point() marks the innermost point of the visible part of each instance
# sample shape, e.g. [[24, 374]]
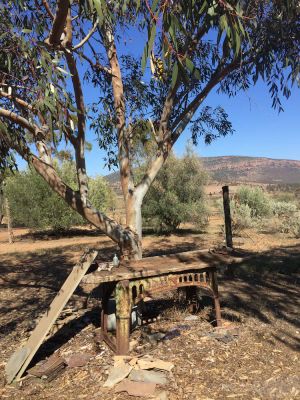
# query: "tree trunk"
[[1, 206], [134, 224], [9, 227]]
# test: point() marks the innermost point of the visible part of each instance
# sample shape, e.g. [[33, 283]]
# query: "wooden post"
[[226, 203], [214, 285], [123, 316], [8, 218]]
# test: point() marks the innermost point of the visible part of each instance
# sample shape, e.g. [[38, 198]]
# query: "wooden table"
[[132, 281]]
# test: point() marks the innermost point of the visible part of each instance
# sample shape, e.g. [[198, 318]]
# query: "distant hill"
[[236, 169], [252, 169]]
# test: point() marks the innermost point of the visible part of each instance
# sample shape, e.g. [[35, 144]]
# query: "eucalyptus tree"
[[54, 52]]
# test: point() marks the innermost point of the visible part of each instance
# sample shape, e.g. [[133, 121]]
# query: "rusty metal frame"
[[130, 292]]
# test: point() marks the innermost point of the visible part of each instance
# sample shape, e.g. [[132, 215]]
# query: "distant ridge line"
[[231, 169]]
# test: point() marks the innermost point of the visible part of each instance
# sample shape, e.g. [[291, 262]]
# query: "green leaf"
[[101, 9], [138, 5], [237, 43], [154, 5], [26, 30], [174, 75], [211, 11], [62, 70], [49, 105], [191, 67], [3, 127], [148, 46]]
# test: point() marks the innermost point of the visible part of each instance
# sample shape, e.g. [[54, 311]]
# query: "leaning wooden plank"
[[20, 360]]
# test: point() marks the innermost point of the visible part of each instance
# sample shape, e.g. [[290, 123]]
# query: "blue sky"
[[259, 130]]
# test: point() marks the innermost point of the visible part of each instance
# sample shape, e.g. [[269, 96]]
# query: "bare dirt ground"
[[261, 301]]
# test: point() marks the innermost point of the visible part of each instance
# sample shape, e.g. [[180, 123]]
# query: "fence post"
[[226, 204]]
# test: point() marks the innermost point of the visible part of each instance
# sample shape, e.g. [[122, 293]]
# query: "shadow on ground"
[[29, 286], [265, 287]]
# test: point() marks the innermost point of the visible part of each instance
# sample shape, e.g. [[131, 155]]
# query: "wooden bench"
[[132, 281]]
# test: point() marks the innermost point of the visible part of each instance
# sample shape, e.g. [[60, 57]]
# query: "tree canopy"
[[53, 52]]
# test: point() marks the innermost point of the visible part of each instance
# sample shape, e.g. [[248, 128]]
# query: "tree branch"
[[171, 136], [80, 140], [152, 170], [48, 9], [94, 65], [13, 117], [153, 130], [59, 21], [39, 134], [17, 100], [185, 117], [84, 40], [164, 144], [119, 105], [110, 227]]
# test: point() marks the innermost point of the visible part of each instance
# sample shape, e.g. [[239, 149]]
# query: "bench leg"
[[214, 284], [123, 316], [191, 298]]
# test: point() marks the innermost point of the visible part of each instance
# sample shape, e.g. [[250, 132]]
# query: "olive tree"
[[54, 52], [178, 198]]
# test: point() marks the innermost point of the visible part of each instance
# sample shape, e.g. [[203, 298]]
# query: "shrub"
[[256, 199], [34, 204], [295, 225], [177, 195], [283, 208], [291, 225], [101, 195], [241, 216]]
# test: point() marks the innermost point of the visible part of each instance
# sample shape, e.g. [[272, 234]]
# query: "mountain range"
[[241, 169]]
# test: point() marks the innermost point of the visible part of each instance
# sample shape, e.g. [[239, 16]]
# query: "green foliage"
[[252, 207], [287, 217], [283, 208], [100, 194], [291, 224], [241, 216], [177, 195], [256, 199], [34, 204]]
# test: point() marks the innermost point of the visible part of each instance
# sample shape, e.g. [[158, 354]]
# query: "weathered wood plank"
[[16, 366]]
